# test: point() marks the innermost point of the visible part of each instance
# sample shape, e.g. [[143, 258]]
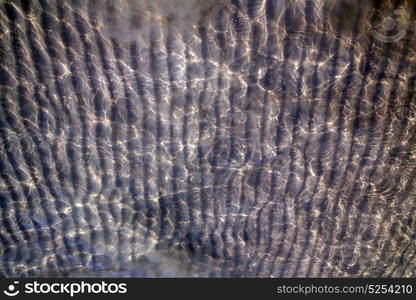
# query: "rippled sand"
[[208, 138]]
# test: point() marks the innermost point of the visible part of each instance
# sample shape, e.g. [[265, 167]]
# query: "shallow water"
[[207, 138]]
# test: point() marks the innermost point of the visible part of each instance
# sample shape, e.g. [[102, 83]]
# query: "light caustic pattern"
[[207, 138]]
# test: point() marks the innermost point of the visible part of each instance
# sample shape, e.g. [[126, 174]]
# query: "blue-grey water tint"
[[208, 138]]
